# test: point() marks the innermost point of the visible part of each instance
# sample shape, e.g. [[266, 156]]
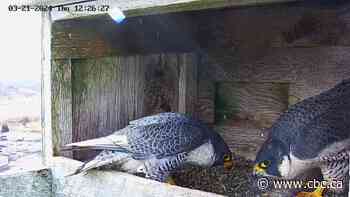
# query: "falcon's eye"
[[264, 164], [227, 158]]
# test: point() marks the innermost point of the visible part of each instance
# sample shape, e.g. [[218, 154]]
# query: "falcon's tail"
[[102, 159], [117, 141]]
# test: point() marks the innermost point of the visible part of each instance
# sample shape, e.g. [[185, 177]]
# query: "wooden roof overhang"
[[148, 7]]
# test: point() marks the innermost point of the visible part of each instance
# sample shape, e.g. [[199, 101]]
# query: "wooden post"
[[61, 105], [46, 88]]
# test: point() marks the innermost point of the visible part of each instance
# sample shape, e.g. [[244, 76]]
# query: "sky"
[[20, 44]]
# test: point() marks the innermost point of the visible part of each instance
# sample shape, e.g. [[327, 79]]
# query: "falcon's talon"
[[170, 181], [317, 193]]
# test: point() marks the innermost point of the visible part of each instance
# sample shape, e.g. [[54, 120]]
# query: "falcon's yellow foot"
[[170, 181], [317, 193]]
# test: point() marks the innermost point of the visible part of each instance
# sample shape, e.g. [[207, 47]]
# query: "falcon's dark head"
[[223, 155], [270, 158]]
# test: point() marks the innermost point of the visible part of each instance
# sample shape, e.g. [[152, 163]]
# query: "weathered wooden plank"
[[99, 37], [94, 98], [244, 110], [61, 105], [245, 34], [188, 84], [130, 89], [162, 87], [260, 103], [244, 138], [205, 103], [46, 87], [109, 92], [308, 70]]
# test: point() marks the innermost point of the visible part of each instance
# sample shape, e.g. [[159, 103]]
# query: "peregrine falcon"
[[314, 133], [157, 145]]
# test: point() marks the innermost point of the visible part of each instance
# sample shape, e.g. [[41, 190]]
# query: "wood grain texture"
[[188, 84], [260, 103], [205, 103], [46, 60], [109, 92], [244, 138], [246, 34], [94, 99], [244, 110], [61, 105], [308, 70], [300, 45], [162, 83]]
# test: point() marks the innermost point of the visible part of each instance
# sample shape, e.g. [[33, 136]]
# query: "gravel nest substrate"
[[238, 181], [234, 182]]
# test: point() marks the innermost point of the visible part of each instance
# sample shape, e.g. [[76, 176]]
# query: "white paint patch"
[[204, 155]]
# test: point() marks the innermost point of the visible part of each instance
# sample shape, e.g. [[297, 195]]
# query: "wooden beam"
[[241, 34], [148, 7], [192, 5], [46, 87]]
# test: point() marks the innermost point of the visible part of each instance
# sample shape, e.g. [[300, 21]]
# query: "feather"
[[104, 158], [108, 142]]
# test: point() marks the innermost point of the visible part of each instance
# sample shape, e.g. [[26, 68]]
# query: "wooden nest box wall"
[[236, 69]]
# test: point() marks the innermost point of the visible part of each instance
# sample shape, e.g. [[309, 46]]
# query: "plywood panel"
[[162, 83], [94, 98], [308, 70], [261, 103], [109, 92], [205, 103], [244, 138]]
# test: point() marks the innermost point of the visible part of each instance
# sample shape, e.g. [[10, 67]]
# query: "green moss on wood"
[[226, 104]]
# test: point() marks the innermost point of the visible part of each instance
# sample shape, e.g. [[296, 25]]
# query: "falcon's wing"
[[329, 132], [315, 122], [165, 135], [159, 118], [161, 135]]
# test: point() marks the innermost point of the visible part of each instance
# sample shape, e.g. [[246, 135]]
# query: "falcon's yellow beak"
[[258, 169]]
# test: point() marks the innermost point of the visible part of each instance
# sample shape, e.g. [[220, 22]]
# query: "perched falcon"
[[157, 145], [314, 133]]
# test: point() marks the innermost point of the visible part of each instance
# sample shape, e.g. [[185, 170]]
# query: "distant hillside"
[[19, 88]]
